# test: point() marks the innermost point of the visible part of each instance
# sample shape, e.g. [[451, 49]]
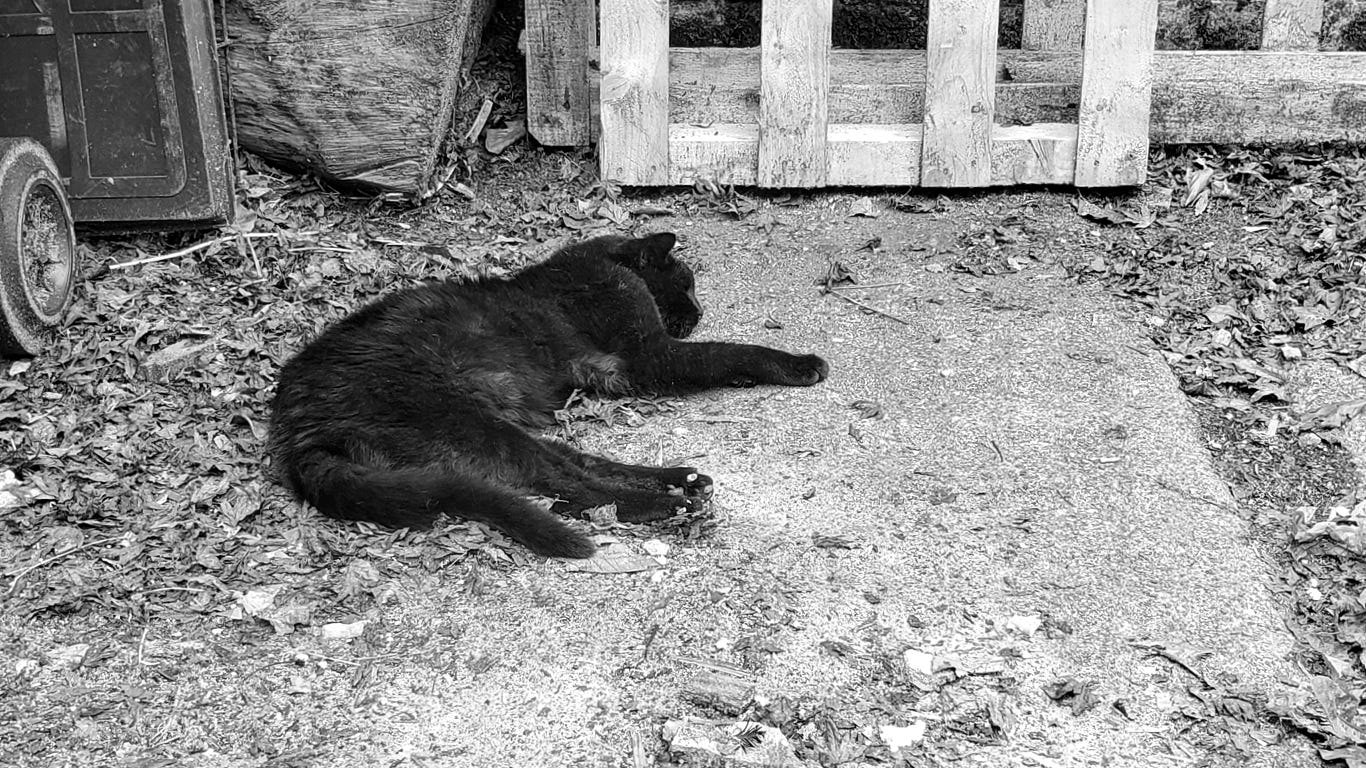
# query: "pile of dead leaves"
[[1232, 313]]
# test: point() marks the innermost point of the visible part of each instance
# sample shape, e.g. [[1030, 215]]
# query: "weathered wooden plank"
[[1034, 154], [721, 85], [1116, 93], [731, 68], [634, 147], [1292, 25], [960, 93], [559, 36], [1259, 97], [729, 154], [885, 103], [1053, 25], [794, 68], [875, 155], [723, 153]]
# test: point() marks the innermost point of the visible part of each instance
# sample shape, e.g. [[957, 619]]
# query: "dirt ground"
[[995, 536]]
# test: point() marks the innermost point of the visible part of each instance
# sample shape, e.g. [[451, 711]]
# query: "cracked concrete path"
[[1030, 501]]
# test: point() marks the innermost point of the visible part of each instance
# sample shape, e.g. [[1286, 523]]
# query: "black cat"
[[420, 403]]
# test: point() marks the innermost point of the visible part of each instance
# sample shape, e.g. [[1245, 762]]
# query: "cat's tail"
[[415, 497]]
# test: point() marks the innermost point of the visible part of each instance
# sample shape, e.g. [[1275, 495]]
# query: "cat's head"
[[670, 280]]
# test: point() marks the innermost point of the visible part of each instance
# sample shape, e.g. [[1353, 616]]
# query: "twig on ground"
[[472, 135], [251, 249], [857, 287], [195, 248], [19, 575], [1167, 485], [874, 310], [328, 248], [640, 758]]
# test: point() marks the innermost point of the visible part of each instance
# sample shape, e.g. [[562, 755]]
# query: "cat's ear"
[[654, 249], [651, 251]]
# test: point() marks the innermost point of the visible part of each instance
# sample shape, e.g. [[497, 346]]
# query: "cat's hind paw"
[[686, 481], [662, 507]]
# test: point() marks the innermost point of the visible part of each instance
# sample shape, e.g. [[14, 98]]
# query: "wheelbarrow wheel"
[[37, 248]]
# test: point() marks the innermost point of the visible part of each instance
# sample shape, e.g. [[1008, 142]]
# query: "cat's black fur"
[[428, 400]]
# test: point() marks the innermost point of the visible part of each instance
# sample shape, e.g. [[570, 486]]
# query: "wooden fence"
[[795, 113]]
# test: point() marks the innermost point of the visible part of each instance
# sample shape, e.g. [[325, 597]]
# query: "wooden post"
[[1292, 25], [1116, 93], [960, 93], [559, 36], [1053, 25], [794, 85], [634, 146]]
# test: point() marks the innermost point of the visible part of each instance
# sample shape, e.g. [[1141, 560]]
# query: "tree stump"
[[357, 91]]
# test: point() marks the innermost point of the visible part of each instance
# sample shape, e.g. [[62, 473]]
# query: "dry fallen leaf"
[[863, 206], [498, 139], [614, 559]]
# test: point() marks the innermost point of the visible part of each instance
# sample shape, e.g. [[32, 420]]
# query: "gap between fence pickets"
[[872, 155]]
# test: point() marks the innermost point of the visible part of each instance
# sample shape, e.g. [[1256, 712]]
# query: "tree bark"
[[357, 91]]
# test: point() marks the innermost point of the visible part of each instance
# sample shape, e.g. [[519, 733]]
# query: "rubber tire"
[[28, 320]]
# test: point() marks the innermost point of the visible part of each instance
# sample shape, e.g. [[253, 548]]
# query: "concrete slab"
[[1033, 503]]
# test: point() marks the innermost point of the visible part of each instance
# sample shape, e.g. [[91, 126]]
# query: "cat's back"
[[495, 344], [423, 321]]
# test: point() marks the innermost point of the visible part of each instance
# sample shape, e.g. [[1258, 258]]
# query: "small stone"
[[339, 631], [898, 738], [918, 661]]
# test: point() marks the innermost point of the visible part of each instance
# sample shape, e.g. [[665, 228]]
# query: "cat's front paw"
[[802, 370]]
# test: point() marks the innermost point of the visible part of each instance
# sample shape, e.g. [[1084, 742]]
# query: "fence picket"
[[1116, 93], [960, 93], [1292, 25], [794, 72], [634, 148], [559, 34]]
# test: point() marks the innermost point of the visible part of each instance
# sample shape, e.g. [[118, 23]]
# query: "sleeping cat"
[[429, 400]]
